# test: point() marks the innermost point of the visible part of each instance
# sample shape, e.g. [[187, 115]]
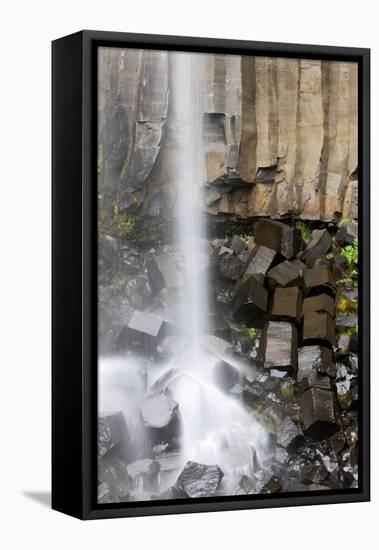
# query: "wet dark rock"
[[250, 300], [317, 247], [139, 291], [261, 261], [319, 326], [337, 442], [251, 395], [347, 233], [236, 245], [224, 291], [109, 253], [318, 277], [287, 273], [104, 494], [246, 486], [319, 413], [163, 272], [103, 437], [112, 431], [289, 435], [273, 485], [230, 266], [225, 375], [199, 480], [278, 345], [113, 472], [287, 302], [278, 236], [339, 265], [307, 471], [322, 302], [281, 456]]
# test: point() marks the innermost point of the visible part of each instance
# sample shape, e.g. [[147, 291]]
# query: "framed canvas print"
[[210, 274]]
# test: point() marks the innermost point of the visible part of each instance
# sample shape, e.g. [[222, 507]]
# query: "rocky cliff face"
[[280, 136]]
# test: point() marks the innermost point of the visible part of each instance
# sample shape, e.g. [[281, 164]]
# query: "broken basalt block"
[[225, 375], [250, 299], [322, 302], [103, 438], [199, 480], [104, 494], [287, 302], [347, 233], [230, 266], [317, 247], [236, 245], [289, 434], [273, 485], [163, 273], [310, 360], [287, 273], [280, 237], [319, 413], [160, 416], [158, 410], [278, 345], [113, 472], [318, 277], [319, 326], [144, 331], [261, 261], [112, 431]]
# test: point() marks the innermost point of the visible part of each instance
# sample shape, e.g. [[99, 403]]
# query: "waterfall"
[[216, 428]]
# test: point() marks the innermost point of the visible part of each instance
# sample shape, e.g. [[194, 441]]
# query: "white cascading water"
[[216, 428]]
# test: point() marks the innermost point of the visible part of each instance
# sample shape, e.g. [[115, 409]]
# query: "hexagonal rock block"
[[142, 333], [280, 237], [287, 302], [319, 413], [278, 345], [250, 298], [163, 273], [230, 266], [319, 326], [319, 276], [287, 273], [322, 302], [347, 233], [317, 247], [199, 480], [261, 261], [289, 435], [309, 360]]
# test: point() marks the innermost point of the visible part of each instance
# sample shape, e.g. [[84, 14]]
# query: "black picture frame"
[[74, 295]]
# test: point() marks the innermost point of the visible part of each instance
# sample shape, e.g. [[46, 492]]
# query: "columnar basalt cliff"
[[280, 136]]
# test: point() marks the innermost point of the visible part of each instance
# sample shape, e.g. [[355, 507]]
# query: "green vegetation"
[[349, 331], [346, 306], [123, 225], [249, 331], [305, 230], [351, 254], [345, 221]]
